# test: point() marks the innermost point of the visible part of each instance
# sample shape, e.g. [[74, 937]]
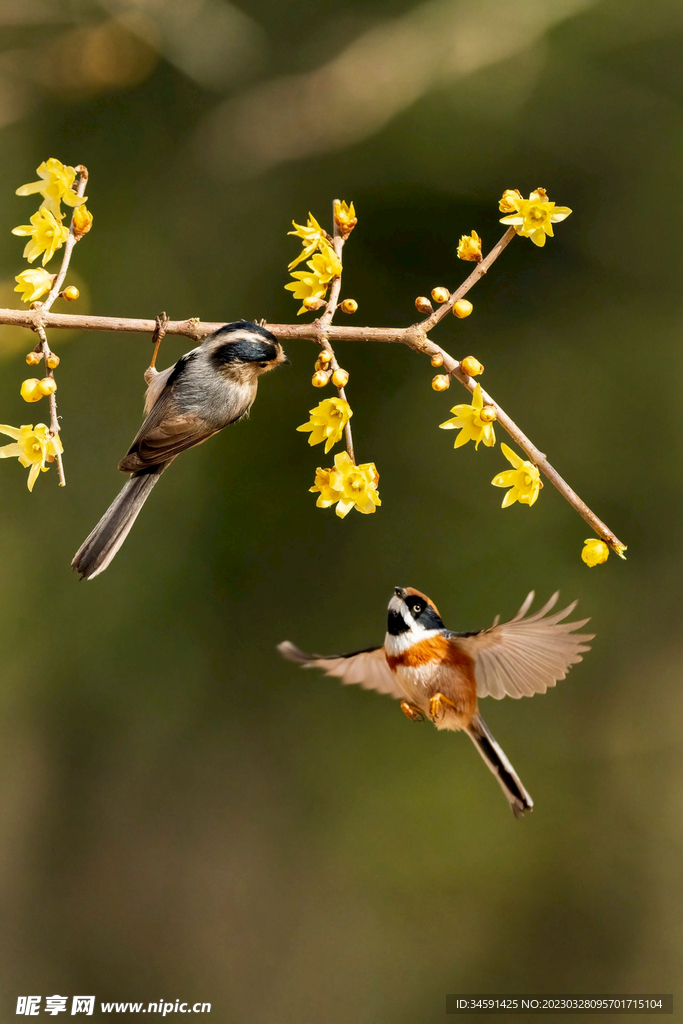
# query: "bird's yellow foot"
[[411, 712], [437, 706]]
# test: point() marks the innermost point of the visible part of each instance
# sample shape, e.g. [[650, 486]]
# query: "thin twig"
[[39, 327], [414, 336], [326, 319], [54, 421]]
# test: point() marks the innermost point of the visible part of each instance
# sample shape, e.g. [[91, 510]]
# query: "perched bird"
[[440, 674], [208, 388]]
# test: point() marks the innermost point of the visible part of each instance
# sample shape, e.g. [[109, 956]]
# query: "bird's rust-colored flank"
[[412, 592], [434, 650]]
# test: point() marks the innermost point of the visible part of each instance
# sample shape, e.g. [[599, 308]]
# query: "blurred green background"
[[182, 814]]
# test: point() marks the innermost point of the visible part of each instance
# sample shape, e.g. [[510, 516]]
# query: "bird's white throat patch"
[[398, 644]]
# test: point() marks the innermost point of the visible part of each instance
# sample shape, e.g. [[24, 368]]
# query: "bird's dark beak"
[[400, 592]]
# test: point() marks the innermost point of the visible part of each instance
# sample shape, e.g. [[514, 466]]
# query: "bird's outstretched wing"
[[366, 668], [527, 654]]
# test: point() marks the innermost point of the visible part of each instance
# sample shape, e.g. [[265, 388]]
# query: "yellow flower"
[[344, 217], [595, 552], [509, 200], [47, 234], [348, 486], [31, 390], [313, 236], [33, 284], [524, 480], [312, 283], [54, 186], [534, 217], [327, 422], [468, 421], [33, 447], [469, 247], [82, 221]]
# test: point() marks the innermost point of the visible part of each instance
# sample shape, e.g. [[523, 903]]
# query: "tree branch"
[[322, 332]]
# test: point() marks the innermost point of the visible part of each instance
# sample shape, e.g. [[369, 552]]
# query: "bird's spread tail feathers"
[[98, 549], [492, 753]]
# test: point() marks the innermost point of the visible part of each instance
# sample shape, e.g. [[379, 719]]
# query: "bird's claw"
[[437, 706], [411, 711]]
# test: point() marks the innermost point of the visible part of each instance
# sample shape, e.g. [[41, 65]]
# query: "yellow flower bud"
[[33, 358], [595, 552], [312, 303], [48, 385], [509, 200], [471, 366], [441, 382], [320, 379], [325, 356], [53, 361], [31, 391], [423, 305], [469, 247], [349, 306], [340, 378], [488, 414], [437, 359], [82, 221], [441, 294], [71, 293], [462, 308]]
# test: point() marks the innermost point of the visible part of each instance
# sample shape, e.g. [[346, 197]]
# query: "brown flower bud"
[[423, 305]]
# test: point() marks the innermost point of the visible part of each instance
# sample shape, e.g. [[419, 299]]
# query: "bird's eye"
[[263, 365], [417, 608]]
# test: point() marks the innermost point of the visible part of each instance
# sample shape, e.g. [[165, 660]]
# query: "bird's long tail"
[[492, 753], [98, 549]]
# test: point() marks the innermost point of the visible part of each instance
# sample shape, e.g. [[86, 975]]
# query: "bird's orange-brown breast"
[[433, 650]]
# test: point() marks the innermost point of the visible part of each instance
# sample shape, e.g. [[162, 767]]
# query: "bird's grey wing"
[[368, 668], [165, 431], [528, 654]]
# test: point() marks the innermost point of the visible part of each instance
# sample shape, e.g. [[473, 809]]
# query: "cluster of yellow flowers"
[[310, 286], [474, 422], [33, 446], [46, 233], [533, 217], [345, 484]]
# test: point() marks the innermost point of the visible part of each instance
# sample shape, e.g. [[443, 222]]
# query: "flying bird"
[[438, 674], [207, 389]]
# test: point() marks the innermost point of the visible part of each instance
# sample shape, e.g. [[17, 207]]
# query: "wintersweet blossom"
[[47, 234], [348, 486], [524, 480], [534, 217], [468, 421], [469, 247], [595, 552], [54, 186], [33, 446], [32, 284], [313, 283], [344, 217], [327, 422], [313, 237]]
